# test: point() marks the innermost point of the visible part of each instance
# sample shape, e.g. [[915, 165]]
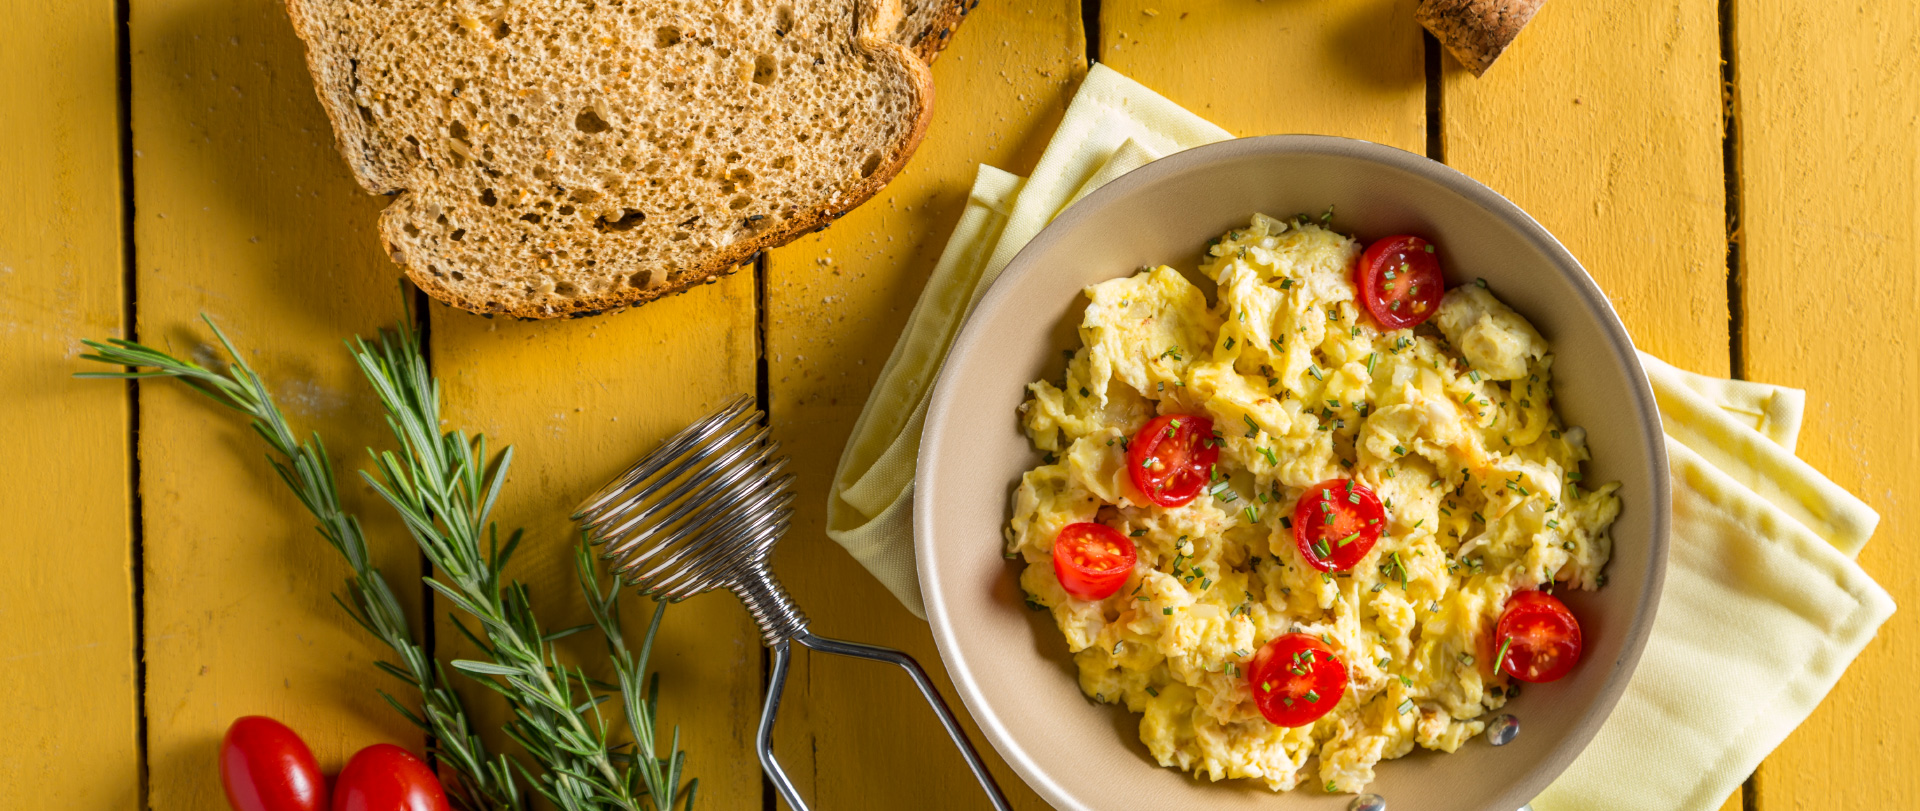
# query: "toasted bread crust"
[[943, 18], [363, 156]]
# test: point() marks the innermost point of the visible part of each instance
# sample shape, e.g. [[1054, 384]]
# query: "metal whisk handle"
[[763, 740]]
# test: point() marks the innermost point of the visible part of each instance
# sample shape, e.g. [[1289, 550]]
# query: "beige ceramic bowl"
[[1010, 664]]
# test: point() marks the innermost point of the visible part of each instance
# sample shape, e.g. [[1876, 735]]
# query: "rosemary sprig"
[[445, 494], [661, 776], [445, 490], [480, 782]]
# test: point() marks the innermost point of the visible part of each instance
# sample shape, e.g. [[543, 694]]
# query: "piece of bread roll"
[[1476, 31]]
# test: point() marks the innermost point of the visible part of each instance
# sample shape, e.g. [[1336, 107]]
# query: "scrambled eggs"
[[1450, 423]]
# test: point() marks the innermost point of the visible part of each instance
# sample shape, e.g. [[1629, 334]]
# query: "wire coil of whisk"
[[701, 512]]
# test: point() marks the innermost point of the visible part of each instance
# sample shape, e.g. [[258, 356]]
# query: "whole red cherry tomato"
[[1092, 560], [1539, 638], [1336, 522], [1172, 458], [1399, 281], [384, 777], [1295, 679], [264, 766]]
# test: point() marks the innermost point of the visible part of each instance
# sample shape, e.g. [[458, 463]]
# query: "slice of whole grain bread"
[[565, 157]]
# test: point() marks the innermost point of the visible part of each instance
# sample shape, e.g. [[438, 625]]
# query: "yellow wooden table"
[[1740, 177]]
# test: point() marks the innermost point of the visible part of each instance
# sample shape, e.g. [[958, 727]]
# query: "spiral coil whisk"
[[702, 512]]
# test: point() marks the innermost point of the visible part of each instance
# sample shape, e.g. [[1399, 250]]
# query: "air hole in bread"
[[870, 165], [765, 70], [736, 204], [487, 198], [565, 289], [457, 129], [411, 229], [513, 120], [590, 123], [782, 21], [500, 30], [459, 277], [782, 162], [638, 281], [628, 219], [564, 210], [666, 36], [458, 234], [532, 218]]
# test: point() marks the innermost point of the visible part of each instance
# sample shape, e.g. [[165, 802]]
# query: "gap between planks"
[[130, 329]]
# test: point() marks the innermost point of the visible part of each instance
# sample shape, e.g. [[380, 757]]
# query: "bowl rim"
[[1090, 208]]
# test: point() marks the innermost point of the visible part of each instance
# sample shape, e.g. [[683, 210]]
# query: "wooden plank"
[[1352, 69], [581, 400], [855, 734], [1828, 102], [245, 211], [66, 594], [1603, 121]]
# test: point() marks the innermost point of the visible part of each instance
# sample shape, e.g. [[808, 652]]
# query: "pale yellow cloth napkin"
[[1763, 606]]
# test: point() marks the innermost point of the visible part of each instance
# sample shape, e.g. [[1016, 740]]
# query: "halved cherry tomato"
[[1336, 523], [384, 777], [1296, 679], [1172, 458], [1092, 560], [264, 766], [1538, 637], [1400, 282]]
